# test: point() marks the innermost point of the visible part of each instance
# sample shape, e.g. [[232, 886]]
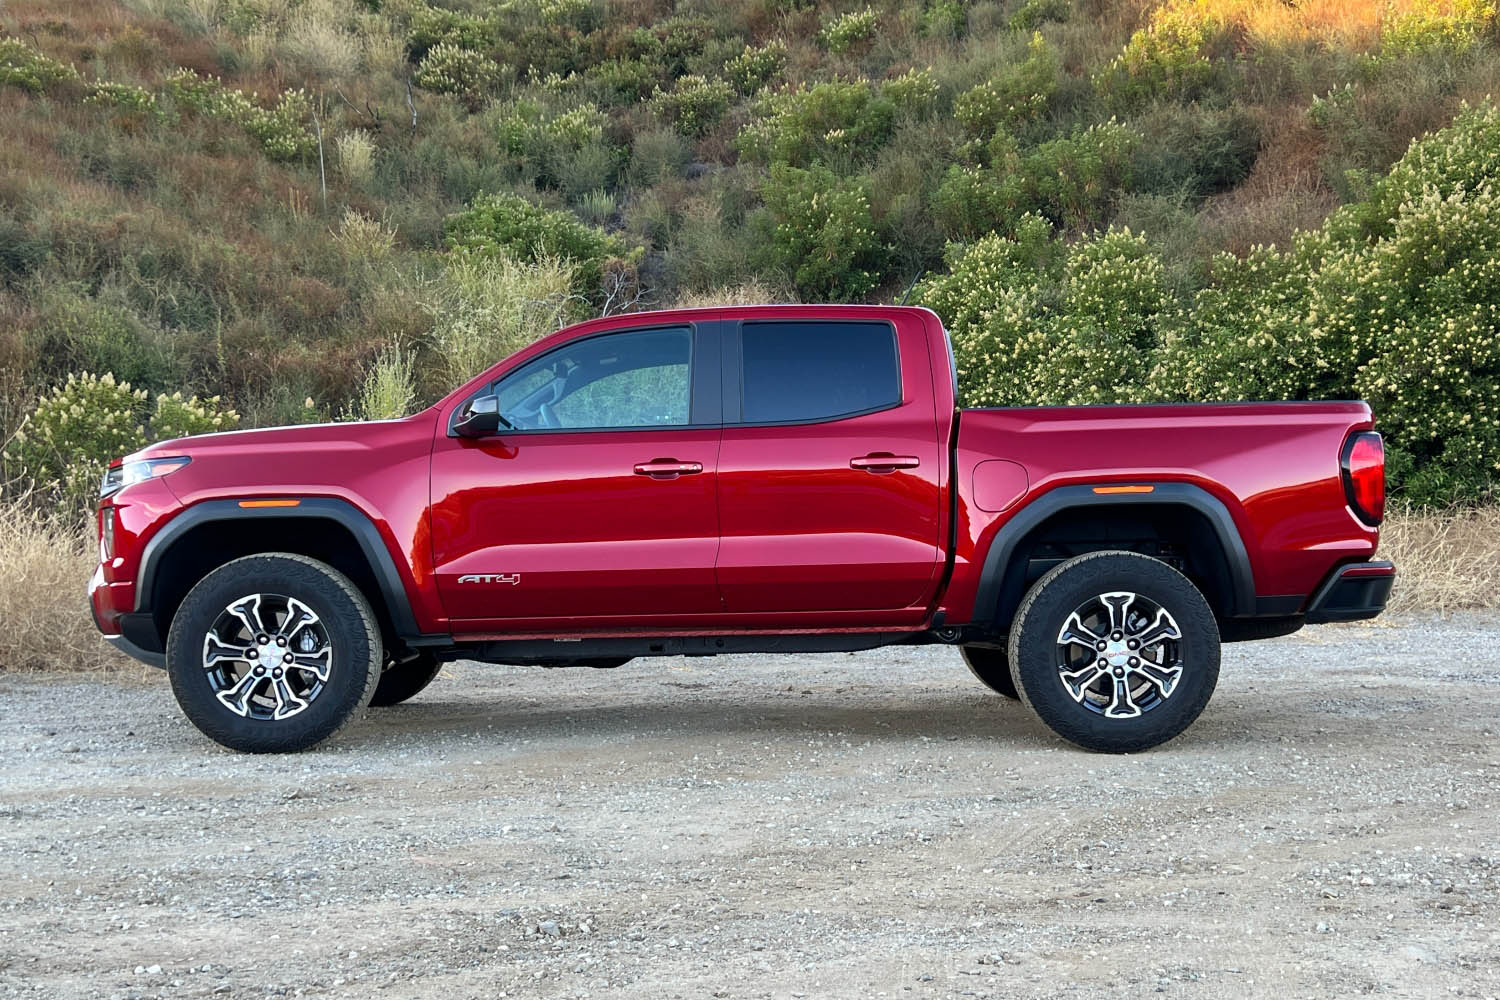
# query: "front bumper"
[[1354, 592]]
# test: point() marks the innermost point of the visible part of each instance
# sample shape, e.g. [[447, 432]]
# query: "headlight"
[[130, 473]]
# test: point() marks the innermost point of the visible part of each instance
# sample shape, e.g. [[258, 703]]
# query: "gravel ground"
[[836, 826]]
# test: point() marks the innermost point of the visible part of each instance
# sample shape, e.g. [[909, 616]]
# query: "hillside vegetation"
[[320, 209]]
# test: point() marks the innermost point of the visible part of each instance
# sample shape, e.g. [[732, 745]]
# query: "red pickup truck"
[[755, 479]]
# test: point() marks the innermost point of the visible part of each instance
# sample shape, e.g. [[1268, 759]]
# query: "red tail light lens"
[[1364, 476]]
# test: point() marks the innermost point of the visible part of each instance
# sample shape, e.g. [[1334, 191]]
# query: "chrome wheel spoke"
[[1160, 630], [247, 610], [237, 698], [1163, 678], [297, 615], [1119, 609], [1122, 705], [287, 702], [216, 651], [1075, 631], [1078, 681], [317, 664]]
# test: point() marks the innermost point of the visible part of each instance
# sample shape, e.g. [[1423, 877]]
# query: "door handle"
[[667, 468], [880, 462]]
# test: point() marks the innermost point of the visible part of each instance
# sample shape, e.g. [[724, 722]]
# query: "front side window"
[[637, 379], [807, 370]]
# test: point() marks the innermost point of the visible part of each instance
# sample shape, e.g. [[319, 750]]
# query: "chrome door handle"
[[881, 462], [667, 468]]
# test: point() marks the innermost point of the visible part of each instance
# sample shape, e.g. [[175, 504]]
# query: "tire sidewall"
[[344, 615], [1033, 644]]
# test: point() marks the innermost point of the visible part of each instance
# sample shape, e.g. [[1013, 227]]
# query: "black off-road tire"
[[343, 612], [402, 680], [1033, 650], [991, 667]]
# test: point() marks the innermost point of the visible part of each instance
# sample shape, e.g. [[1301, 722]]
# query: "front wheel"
[[1115, 651], [273, 653]]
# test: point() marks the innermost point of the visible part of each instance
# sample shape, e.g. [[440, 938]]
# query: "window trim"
[[703, 385], [734, 372]]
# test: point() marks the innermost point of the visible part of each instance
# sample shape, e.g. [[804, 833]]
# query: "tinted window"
[[814, 371], [637, 379]]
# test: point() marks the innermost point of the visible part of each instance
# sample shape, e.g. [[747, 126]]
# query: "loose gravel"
[[838, 826]]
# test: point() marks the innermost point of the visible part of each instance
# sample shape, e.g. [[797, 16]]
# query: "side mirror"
[[480, 418]]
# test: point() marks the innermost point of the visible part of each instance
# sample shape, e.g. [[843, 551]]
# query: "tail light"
[[1364, 475]]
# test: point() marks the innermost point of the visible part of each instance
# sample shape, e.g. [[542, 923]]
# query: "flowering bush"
[[806, 125], [695, 104], [1180, 53], [1395, 299], [66, 443], [824, 234], [448, 69], [845, 31], [913, 92], [25, 67], [1014, 98], [283, 131], [756, 66], [123, 97]]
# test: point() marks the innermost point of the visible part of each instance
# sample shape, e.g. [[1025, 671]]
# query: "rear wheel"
[[404, 679], [1115, 651], [273, 653], [992, 668]]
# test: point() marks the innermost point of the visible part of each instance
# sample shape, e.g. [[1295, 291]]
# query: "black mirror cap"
[[480, 418]]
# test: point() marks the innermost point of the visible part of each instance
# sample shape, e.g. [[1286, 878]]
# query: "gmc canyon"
[[754, 479]]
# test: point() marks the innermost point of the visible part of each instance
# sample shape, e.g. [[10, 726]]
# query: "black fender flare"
[[392, 590], [1002, 548]]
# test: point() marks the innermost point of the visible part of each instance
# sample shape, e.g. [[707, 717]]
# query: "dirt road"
[[840, 826]]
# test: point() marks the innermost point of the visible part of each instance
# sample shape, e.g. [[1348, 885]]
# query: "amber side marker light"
[[1124, 489], [269, 503]]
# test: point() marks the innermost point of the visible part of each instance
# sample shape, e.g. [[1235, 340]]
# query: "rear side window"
[[808, 370]]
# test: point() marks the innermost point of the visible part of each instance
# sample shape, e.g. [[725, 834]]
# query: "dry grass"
[[1448, 561], [1445, 561], [47, 624]]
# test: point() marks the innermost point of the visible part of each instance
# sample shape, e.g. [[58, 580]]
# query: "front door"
[[597, 506], [830, 469]]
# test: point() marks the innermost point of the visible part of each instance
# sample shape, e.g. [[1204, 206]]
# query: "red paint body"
[[787, 528]]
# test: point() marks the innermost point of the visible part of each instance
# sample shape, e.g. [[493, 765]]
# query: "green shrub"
[[695, 104], [844, 31], [836, 120], [390, 388], [509, 225], [65, 444], [1014, 98], [25, 67], [1034, 13], [1445, 26], [123, 97], [433, 26], [448, 69], [284, 131], [487, 307], [912, 93], [824, 234], [756, 66], [943, 19], [177, 417], [1181, 54]]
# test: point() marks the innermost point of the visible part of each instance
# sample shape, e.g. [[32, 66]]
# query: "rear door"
[[829, 469]]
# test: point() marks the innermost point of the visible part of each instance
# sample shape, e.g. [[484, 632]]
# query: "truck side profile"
[[748, 479]]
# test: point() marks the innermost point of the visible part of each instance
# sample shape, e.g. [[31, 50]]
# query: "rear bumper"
[[1353, 592]]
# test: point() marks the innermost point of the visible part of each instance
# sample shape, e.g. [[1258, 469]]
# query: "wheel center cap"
[[1116, 653]]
